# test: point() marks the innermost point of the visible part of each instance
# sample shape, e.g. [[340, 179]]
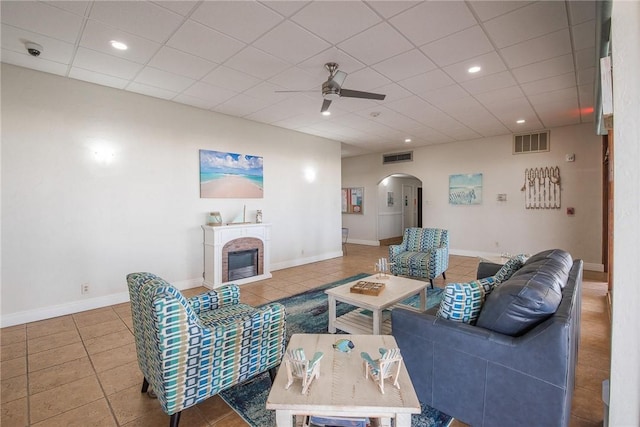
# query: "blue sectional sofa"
[[516, 365]]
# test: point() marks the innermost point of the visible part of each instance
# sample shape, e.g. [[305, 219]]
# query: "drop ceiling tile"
[[509, 111], [585, 58], [53, 49], [269, 115], [296, 78], [336, 21], [527, 23], [193, 101], [153, 91], [586, 76], [490, 9], [243, 20], [393, 92], [183, 63], [181, 7], [291, 42], [267, 91], [42, 19], [74, 6], [106, 64], [296, 122], [412, 106], [489, 83], [549, 68], [490, 63], [405, 65], [365, 79], [204, 42], [581, 11], [96, 36], [27, 61], [162, 79], [144, 19], [457, 47], [584, 35], [550, 84], [241, 105], [461, 133], [213, 94], [585, 94], [560, 114], [285, 8], [316, 63], [445, 94], [230, 79], [424, 83], [556, 97], [376, 44], [430, 21], [500, 95], [257, 63], [97, 78], [538, 49], [531, 125], [389, 8]]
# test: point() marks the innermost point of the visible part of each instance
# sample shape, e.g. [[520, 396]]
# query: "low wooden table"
[[342, 389], [396, 289]]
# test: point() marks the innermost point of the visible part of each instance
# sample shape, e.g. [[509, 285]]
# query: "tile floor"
[[81, 369]]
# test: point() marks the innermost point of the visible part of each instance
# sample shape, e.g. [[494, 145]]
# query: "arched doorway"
[[399, 206]]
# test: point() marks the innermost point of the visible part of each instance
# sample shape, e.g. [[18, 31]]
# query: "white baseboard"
[[302, 261], [364, 242], [78, 306]]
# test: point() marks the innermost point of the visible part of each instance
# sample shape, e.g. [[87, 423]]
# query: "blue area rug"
[[308, 313]]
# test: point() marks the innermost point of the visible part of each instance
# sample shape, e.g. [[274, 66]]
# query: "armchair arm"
[[216, 298], [395, 250], [440, 258]]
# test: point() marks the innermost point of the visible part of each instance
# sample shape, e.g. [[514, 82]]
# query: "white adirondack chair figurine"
[[300, 368], [387, 366]]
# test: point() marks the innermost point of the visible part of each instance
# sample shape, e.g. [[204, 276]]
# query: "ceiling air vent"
[[397, 157], [531, 142]]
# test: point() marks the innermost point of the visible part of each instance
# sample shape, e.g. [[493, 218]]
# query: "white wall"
[[625, 340], [68, 219], [494, 227]]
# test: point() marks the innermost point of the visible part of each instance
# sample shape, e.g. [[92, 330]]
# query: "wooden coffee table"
[[342, 389], [396, 289]]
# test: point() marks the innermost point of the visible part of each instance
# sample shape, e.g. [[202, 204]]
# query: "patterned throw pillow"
[[514, 264], [462, 302]]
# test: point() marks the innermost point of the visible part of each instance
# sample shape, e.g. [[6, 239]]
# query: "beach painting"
[[465, 189], [230, 175]]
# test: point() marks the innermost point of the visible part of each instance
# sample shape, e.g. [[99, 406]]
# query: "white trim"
[[364, 242], [78, 306], [301, 261]]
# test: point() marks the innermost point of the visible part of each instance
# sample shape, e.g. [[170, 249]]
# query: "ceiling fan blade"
[[338, 77], [325, 105], [348, 93]]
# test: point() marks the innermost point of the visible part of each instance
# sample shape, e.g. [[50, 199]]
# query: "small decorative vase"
[[259, 216]]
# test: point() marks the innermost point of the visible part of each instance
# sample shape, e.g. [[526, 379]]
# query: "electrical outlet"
[[84, 288]]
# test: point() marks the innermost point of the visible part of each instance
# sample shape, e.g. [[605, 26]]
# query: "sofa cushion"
[[530, 296], [462, 302], [510, 267]]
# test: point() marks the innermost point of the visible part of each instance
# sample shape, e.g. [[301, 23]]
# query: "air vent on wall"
[[397, 157], [531, 142]]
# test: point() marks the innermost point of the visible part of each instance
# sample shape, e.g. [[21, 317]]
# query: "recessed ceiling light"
[[326, 113], [408, 140], [474, 69], [521, 121], [118, 45]]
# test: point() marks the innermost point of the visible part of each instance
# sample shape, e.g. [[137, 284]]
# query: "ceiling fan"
[[332, 88]]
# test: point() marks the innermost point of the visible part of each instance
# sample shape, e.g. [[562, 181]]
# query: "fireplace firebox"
[[243, 264]]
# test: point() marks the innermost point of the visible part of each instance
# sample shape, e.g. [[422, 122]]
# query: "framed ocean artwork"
[[465, 189], [230, 175]]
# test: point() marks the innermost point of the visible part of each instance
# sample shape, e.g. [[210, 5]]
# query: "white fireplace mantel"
[[215, 237]]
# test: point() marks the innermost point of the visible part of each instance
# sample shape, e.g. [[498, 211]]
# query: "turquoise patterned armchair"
[[423, 253], [191, 349]]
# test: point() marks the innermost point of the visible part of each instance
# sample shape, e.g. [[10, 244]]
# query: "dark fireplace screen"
[[243, 264]]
